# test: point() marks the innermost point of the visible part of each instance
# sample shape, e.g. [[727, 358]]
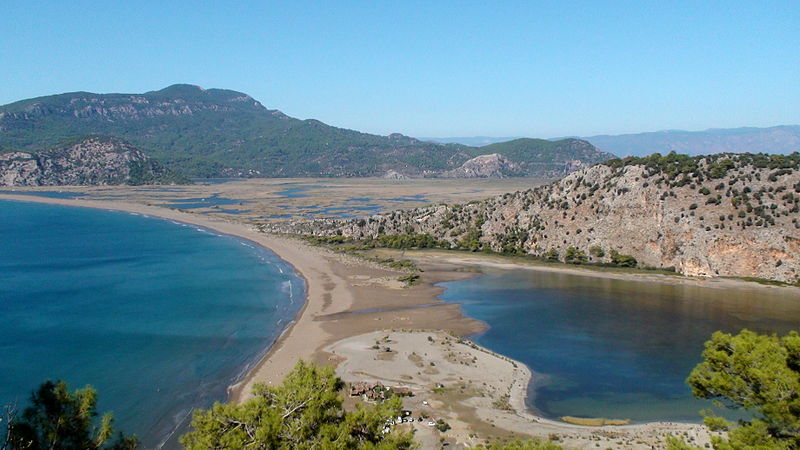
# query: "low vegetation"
[[304, 412], [409, 279], [756, 373], [748, 371], [530, 444], [59, 419]]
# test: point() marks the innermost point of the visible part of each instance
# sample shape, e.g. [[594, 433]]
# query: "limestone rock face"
[[91, 161], [394, 175], [18, 169], [725, 215], [494, 165]]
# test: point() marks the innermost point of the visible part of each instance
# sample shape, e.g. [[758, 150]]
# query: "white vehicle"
[[425, 402], [431, 424]]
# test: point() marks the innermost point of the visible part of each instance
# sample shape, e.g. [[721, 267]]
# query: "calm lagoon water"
[[207, 202], [160, 317], [610, 348]]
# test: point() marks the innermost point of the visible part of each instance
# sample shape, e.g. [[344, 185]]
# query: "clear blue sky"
[[429, 68]]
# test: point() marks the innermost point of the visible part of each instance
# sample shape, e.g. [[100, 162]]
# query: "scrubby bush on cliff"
[[471, 240], [621, 260], [597, 251], [403, 241], [575, 256]]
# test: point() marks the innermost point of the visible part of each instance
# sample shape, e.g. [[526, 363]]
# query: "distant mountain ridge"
[[780, 139], [472, 141], [218, 132]]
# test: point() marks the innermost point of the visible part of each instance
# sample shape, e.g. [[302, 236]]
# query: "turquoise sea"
[[160, 317], [610, 348]]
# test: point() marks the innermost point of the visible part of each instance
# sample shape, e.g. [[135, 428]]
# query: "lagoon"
[[603, 347]]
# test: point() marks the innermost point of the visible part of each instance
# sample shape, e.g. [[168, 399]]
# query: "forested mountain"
[[218, 132], [719, 215]]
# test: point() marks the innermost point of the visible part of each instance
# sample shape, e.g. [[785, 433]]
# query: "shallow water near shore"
[[160, 317], [603, 347]]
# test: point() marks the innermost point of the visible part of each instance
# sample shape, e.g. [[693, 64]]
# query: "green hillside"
[[217, 132]]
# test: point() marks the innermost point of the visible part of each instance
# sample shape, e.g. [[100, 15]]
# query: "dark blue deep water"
[[159, 317], [610, 348]]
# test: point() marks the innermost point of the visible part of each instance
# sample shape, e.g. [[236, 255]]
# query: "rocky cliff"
[[541, 157], [92, 160], [721, 215], [494, 165]]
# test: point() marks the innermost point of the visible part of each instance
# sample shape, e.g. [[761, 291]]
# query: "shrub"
[[597, 251], [621, 260], [575, 256]]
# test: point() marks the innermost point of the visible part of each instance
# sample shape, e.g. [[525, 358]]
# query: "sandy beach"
[[352, 303], [345, 296], [479, 393]]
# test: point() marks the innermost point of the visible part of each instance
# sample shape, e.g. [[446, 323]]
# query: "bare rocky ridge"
[[721, 215], [90, 161], [493, 165]]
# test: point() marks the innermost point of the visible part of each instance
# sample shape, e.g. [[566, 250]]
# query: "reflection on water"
[[613, 348]]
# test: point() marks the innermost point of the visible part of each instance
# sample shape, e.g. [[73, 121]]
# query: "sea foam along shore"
[[288, 348]]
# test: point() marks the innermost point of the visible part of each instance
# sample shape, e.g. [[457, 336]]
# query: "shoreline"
[[459, 259], [334, 290], [282, 247], [480, 393]]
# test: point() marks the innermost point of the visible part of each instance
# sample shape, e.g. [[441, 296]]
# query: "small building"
[[362, 388], [370, 391], [402, 391]]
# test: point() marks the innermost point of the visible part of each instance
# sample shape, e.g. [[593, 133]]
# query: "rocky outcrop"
[[93, 160], [394, 175], [723, 215], [493, 165], [549, 159]]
